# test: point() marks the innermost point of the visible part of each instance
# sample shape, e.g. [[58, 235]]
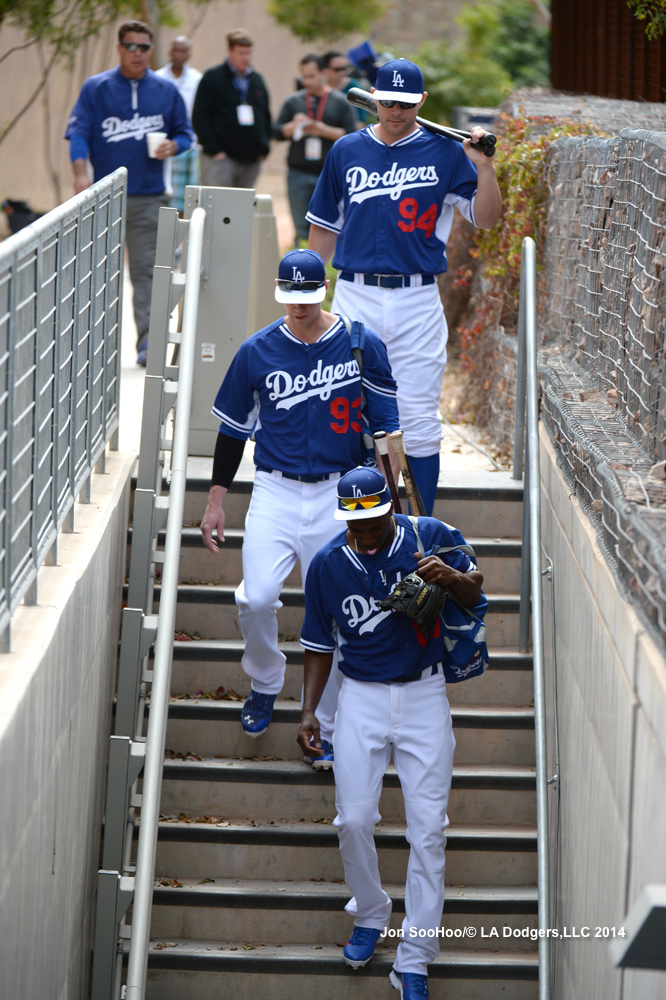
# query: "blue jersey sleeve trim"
[[315, 219], [316, 647]]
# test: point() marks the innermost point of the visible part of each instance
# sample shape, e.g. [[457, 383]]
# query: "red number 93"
[[340, 411]]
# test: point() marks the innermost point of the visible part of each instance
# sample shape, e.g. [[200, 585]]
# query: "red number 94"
[[409, 210]]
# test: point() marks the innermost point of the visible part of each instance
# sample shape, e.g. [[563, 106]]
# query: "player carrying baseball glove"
[[417, 599]]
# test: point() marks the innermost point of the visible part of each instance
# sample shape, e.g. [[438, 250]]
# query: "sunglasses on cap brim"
[[287, 285], [360, 503], [405, 105]]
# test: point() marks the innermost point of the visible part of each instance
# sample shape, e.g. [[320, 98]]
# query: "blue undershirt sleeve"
[[78, 148]]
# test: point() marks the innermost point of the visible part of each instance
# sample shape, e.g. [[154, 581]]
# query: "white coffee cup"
[[155, 139]]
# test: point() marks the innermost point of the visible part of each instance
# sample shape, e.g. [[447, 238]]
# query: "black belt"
[[414, 677], [299, 479], [388, 280]]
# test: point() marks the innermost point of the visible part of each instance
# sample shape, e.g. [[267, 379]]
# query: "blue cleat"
[[256, 713], [361, 945], [412, 986], [323, 762], [142, 356]]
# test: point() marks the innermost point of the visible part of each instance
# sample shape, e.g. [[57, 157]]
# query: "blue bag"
[[463, 629]]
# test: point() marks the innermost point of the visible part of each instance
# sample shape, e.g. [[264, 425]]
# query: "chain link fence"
[[61, 284], [602, 364]]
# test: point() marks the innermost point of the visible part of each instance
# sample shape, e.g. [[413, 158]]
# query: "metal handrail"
[[527, 392], [61, 290], [159, 705]]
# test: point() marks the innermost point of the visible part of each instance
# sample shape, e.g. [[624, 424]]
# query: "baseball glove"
[[417, 599]]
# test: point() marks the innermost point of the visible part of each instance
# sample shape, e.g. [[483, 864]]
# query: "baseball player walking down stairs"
[[296, 385], [392, 697], [383, 209]]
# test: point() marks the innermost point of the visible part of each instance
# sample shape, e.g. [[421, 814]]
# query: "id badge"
[[245, 114], [313, 147]]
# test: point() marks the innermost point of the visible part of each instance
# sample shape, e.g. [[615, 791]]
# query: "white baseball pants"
[[286, 520], [415, 721], [412, 324]]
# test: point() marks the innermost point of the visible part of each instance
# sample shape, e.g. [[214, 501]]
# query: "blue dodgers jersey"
[[392, 206], [342, 593], [113, 114], [304, 401]]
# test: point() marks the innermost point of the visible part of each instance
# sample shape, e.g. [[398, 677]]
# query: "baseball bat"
[[411, 489], [381, 444], [362, 99]]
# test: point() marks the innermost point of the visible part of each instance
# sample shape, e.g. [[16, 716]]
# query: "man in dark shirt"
[[312, 118], [231, 117]]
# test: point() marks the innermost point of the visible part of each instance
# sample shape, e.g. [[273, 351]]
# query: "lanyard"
[[319, 113]]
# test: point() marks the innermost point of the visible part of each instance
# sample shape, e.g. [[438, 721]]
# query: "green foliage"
[[522, 159], [653, 12], [522, 47], [326, 20], [501, 49], [64, 27]]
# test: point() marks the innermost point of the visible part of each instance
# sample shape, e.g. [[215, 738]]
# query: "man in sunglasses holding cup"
[[130, 117], [295, 386], [383, 209]]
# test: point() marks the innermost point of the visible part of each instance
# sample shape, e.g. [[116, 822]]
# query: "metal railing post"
[[533, 501], [155, 742]]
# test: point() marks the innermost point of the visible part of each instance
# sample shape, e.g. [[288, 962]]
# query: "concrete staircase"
[[249, 892]]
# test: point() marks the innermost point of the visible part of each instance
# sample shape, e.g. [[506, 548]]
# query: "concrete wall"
[[56, 693], [611, 714]]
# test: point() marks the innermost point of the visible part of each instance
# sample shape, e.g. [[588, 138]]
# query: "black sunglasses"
[[287, 285], [141, 46], [405, 105], [340, 69]]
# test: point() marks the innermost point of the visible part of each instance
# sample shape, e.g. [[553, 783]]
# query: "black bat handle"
[[486, 146]]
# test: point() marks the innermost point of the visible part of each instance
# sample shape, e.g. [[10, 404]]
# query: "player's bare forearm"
[[81, 179], [488, 200], [213, 518], [465, 586], [315, 674], [322, 241]]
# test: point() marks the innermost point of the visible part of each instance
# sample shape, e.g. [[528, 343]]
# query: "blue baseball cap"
[[362, 493], [301, 277], [399, 80]]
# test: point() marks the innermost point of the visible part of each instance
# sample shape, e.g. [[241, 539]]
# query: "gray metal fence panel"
[[61, 282]]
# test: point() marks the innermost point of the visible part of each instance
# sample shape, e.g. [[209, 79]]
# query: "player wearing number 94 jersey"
[[383, 209], [296, 384]]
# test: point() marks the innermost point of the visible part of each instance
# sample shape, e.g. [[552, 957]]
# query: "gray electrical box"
[[238, 270], [466, 118]]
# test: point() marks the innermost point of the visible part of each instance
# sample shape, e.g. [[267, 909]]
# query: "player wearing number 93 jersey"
[[383, 209], [296, 386]]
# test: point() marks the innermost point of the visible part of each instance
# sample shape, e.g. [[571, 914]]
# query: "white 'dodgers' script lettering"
[[322, 380], [116, 129], [360, 610], [362, 185]]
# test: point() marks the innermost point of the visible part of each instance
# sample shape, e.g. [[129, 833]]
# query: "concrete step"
[[256, 789], [498, 559], [203, 847], [211, 611], [480, 504], [273, 911], [207, 727], [205, 665], [251, 970]]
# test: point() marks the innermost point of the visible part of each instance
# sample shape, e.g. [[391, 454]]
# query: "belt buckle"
[[397, 280]]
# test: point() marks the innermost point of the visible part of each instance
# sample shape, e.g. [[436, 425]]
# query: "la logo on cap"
[[397, 79], [297, 276]]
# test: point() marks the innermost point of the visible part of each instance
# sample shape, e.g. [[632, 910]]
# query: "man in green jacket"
[[232, 118]]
